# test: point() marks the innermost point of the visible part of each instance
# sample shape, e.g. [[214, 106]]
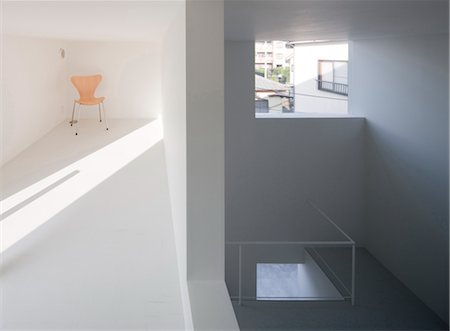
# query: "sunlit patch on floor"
[[29, 208]]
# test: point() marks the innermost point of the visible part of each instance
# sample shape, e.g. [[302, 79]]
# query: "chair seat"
[[90, 101]]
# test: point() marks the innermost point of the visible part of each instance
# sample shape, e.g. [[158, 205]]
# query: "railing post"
[[240, 275], [353, 274]]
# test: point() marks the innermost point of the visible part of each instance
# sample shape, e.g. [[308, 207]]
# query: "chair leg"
[[104, 116], [78, 120], [99, 112], [73, 113]]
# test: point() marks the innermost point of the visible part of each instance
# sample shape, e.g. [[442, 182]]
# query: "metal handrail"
[[321, 212], [302, 243], [350, 242]]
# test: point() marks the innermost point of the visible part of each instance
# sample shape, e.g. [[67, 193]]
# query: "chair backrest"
[[86, 85]]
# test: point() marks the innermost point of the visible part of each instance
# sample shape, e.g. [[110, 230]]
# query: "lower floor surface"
[[382, 303]]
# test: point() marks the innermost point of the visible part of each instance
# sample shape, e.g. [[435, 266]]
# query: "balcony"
[[332, 87]]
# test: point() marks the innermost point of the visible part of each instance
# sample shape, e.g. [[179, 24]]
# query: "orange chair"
[[86, 86]]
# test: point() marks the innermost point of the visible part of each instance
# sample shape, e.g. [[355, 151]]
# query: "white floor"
[[87, 235]]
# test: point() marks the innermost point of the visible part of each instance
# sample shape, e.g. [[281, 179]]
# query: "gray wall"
[[401, 86], [273, 165]]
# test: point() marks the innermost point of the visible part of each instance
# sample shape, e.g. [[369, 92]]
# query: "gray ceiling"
[[332, 19]]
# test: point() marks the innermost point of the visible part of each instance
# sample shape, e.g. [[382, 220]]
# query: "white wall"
[[38, 95], [33, 91], [401, 86], [272, 166], [205, 139], [131, 76], [174, 124], [305, 74], [210, 303], [193, 122]]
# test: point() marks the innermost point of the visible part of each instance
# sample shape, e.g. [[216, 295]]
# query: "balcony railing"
[[332, 87], [246, 289]]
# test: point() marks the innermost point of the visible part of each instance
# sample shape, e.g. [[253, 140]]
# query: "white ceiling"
[[90, 20], [332, 19]]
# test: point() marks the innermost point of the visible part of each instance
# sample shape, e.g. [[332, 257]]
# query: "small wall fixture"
[[62, 53]]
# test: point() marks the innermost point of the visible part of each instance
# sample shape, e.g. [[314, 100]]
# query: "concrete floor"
[[103, 258], [382, 303], [296, 282]]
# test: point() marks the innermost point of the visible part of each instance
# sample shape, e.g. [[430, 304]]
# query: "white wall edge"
[[211, 306]]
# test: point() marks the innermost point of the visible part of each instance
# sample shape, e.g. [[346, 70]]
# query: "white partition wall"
[[210, 303], [174, 124], [194, 143], [205, 138]]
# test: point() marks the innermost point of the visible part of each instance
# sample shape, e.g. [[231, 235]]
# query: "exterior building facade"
[[274, 54], [321, 78]]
